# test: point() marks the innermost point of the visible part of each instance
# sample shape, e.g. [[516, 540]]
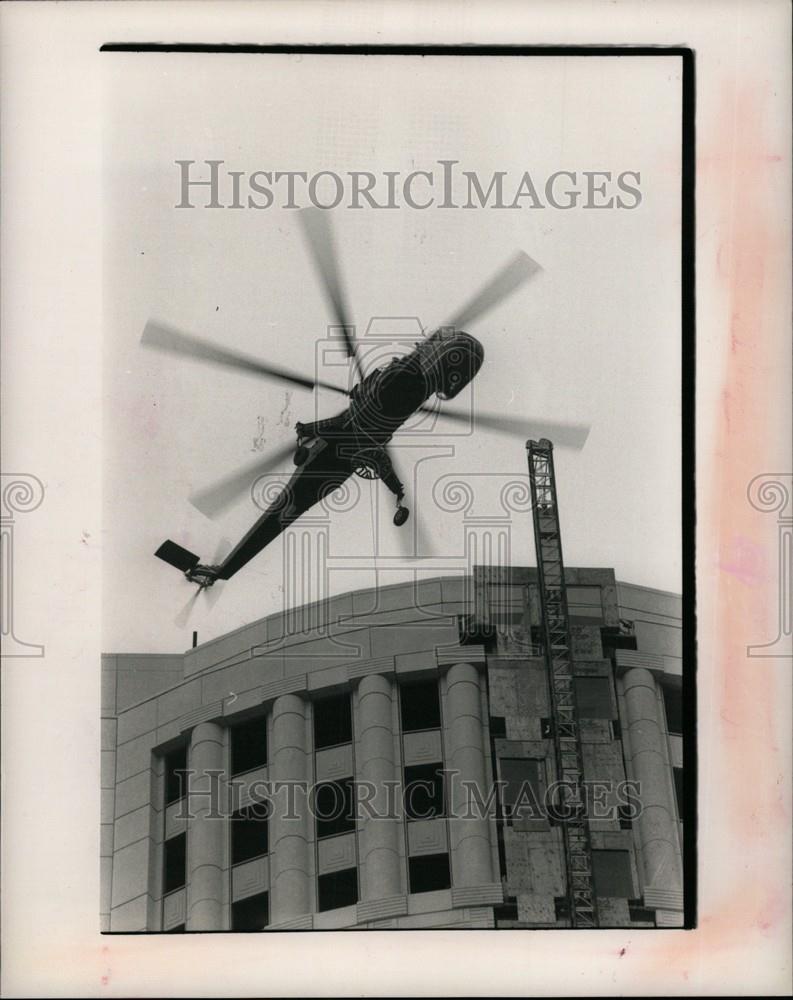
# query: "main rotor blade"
[[564, 435], [214, 499], [506, 281], [162, 337], [316, 229]]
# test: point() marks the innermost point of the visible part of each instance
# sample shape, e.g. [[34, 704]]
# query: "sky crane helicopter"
[[357, 440]]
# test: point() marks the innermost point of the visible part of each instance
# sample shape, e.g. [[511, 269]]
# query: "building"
[[424, 686]]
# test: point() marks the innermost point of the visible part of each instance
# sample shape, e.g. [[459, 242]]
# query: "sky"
[[593, 338]]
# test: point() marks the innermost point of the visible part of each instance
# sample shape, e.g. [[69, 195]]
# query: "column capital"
[[357, 671], [773, 492], [663, 898], [450, 656], [205, 713], [20, 493], [288, 685], [657, 665]]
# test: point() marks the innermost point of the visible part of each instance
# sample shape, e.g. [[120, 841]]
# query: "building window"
[[429, 873], [337, 889], [498, 727], [673, 703], [524, 789], [249, 832], [506, 915], [678, 777], [593, 698], [561, 906], [612, 875], [251, 914], [175, 863], [248, 746], [420, 706], [332, 722], [639, 914], [424, 791], [334, 807], [175, 764]]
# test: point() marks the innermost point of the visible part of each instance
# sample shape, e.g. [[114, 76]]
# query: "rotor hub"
[[204, 576]]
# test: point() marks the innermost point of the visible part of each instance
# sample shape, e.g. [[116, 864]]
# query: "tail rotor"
[[207, 585]]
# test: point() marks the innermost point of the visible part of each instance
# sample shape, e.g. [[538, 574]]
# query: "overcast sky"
[[594, 338]]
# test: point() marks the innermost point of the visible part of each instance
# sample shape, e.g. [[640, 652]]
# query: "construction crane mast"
[[558, 655]]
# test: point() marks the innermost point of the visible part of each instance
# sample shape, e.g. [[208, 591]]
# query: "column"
[[465, 753], [378, 839], [290, 868], [657, 823], [20, 494], [205, 835], [773, 492]]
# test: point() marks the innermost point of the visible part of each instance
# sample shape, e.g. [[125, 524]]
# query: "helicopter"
[[357, 440]]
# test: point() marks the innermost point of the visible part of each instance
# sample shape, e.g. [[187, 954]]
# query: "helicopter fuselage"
[[380, 404], [356, 440], [384, 400]]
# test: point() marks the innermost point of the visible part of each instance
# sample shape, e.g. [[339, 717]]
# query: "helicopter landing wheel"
[[300, 455], [401, 515]]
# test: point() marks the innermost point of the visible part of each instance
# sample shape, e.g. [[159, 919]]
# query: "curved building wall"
[[228, 771], [363, 647]]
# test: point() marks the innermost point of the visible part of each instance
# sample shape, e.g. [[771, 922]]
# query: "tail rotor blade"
[[214, 499], [515, 273], [317, 231], [222, 550], [184, 615], [212, 594], [161, 337]]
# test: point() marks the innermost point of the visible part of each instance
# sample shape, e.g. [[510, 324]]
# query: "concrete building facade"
[[314, 770]]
